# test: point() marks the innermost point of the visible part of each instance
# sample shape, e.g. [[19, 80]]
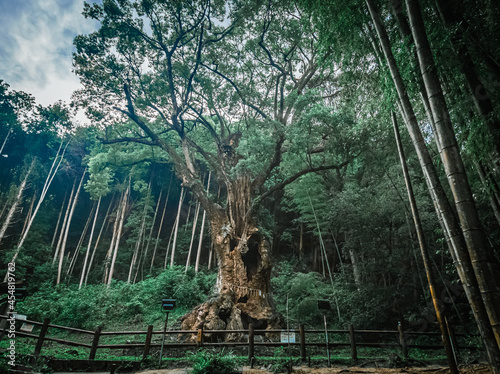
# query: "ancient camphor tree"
[[229, 88]]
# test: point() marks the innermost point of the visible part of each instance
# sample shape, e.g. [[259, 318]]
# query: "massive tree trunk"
[[243, 280]]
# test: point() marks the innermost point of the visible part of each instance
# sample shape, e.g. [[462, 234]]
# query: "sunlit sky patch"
[[36, 43]]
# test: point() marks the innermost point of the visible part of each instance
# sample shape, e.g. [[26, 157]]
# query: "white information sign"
[[27, 327], [288, 337], [21, 317]]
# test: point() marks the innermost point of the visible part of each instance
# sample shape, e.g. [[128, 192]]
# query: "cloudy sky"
[[36, 42]]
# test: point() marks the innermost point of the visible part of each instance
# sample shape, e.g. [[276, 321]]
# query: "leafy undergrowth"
[[132, 307], [122, 306]]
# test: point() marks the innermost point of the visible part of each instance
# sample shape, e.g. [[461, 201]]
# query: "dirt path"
[[473, 369]]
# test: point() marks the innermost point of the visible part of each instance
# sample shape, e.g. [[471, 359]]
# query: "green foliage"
[[364, 306], [303, 291], [212, 362], [282, 361], [95, 305]]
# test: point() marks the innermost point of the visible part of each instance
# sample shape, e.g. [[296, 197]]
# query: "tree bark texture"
[[243, 280]]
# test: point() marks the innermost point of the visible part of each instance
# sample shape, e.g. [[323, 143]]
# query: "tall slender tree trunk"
[[491, 190], [144, 246], [301, 241], [181, 198], [188, 215], [74, 259], [89, 245], [200, 242], [17, 201], [48, 181], [64, 223], [210, 256], [138, 243], [104, 224], [5, 140], [66, 231], [193, 231], [168, 244], [451, 228], [425, 253], [485, 268], [56, 230], [28, 216], [109, 253], [478, 92], [150, 236], [160, 227], [119, 232]]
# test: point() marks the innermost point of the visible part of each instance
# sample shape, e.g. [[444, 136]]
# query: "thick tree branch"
[[276, 160], [216, 71], [126, 140], [294, 177]]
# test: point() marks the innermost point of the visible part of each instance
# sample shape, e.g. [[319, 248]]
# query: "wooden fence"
[[400, 339]]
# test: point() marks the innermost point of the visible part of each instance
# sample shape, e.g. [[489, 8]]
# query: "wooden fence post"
[[402, 341], [250, 342], [147, 344], [95, 343], [41, 336], [302, 335], [352, 338], [199, 337]]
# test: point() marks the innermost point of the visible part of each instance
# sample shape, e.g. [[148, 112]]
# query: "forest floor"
[[470, 369]]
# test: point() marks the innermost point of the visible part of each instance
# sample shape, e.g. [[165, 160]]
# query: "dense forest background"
[[99, 217]]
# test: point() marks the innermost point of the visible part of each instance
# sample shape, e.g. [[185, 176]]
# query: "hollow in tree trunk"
[[243, 279]]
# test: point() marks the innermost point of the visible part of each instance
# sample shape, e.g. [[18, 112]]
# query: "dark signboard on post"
[[167, 305]]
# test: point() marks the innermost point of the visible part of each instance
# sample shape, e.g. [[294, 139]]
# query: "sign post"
[[167, 305], [325, 305]]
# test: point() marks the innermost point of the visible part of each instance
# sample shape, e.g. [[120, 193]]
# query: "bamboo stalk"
[[119, 232], [160, 227], [63, 227], [198, 253], [425, 253], [193, 231], [16, 202], [66, 233], [89, 245], [56, 230], [181, 199]]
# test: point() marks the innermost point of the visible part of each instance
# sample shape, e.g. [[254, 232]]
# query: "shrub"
[[121, 303], [211, 362], [282, 361]]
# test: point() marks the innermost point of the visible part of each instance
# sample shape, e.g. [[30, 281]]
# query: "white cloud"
[[35, 52]]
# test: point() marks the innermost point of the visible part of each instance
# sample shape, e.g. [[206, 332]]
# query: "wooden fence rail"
[[400, 339]]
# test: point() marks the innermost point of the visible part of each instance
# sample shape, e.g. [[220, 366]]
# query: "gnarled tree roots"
[[228, 312]]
